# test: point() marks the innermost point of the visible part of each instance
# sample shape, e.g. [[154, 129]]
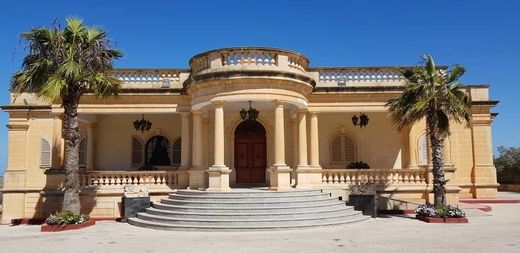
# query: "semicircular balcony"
[[249, 62]]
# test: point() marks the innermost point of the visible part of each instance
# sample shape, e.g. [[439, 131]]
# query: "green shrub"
[[358, 165], [66, 217]]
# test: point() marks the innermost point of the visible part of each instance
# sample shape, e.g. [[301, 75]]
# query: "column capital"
[[185, 114], [278, 102], [314, 113], [301, 111], [218, 103], [196, 112]]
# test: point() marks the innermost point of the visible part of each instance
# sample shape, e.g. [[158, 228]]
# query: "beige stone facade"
[[307, 140]]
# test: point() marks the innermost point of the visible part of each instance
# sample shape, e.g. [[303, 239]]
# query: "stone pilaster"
[[484, 171]]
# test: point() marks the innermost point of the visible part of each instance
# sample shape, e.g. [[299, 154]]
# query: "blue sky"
[[481, 35]]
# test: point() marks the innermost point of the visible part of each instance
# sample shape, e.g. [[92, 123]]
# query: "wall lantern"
[[361, 121], [142, 125], [250, 114]]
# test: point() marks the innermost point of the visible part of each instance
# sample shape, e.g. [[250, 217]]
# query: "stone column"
[[218, 173], [314, 148], [90, 147], [279, 173], [307, 176], [412, 150], [185, 140], [302, 137], [185, 150], [197, 177]]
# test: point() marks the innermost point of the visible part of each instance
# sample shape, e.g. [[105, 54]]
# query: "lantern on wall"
[[142, 125], [361, 121], [250, 114]]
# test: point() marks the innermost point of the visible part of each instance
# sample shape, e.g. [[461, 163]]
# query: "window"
[[137, 152], [177, 151], [158, 151], [422, 150], [45, 153], [342, 149], [83, 152]]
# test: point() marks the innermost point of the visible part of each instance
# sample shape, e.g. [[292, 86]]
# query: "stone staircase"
[[246, 210]]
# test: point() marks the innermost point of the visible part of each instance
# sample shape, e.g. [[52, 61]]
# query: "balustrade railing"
[[357, 75], [163, 78], [249, 58], [119, 179], [375, 176]]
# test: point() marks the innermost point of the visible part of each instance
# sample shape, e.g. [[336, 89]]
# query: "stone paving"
[[498, 232]]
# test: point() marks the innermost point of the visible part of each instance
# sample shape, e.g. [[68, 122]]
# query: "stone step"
[[251, 202], [246, 209], [279, 215], [250, 193], [245, 221], [207, 227], [267, 197]]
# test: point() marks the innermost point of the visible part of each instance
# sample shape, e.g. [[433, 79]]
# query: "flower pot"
[[58, 228], [441, 220]]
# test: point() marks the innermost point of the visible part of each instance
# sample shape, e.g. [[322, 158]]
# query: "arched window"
[[45, 153], [83, 152], [158, 151], [342, 149], [422, 150], [137, 152], [176, 158]]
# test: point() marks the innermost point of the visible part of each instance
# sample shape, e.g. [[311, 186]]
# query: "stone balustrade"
[[151, 78], [260, 59], [119, 179], [374, 176], [358, 76], [248, 58]]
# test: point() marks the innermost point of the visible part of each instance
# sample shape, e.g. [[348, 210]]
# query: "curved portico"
[[275, 81]]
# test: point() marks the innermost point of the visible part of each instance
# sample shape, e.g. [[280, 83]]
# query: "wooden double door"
[[250, 155]]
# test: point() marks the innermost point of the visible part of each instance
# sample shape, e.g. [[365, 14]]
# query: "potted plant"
[[358, 165], [66, 220], [440, 214]]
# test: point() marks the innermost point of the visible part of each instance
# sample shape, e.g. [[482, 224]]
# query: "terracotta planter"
[[58, 228], [441, 220]]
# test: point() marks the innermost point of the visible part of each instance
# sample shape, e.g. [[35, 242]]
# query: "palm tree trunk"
[[71, 135], [437, 146]]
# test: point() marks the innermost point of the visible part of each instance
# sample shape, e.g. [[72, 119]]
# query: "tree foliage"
[[508, 165], [437, 95], [60, 66]]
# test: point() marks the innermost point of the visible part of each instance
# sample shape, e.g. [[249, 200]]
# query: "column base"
[[279, 178], [308, 176], [197, 178], [184, 177], [218, 178]]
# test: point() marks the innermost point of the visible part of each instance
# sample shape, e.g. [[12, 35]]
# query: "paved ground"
[[499, 232]]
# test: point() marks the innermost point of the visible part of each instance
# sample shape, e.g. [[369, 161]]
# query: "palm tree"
[[64, 65], [437, 95]]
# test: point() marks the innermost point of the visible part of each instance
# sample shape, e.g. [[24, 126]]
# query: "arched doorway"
[[250, 153]]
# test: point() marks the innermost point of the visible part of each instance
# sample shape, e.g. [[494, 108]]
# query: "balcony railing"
[[151, 78], [374, 176], [119, 179], [248, 58], [359, 76]]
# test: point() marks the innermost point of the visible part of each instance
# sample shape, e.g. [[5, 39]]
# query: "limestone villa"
[[241, 117]]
